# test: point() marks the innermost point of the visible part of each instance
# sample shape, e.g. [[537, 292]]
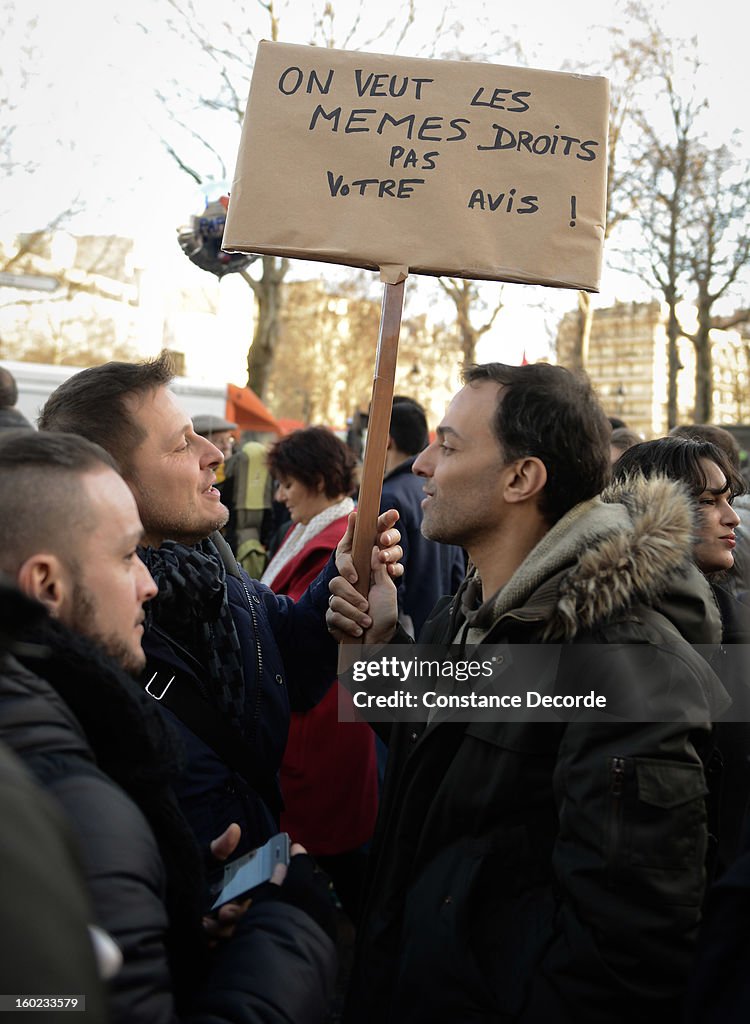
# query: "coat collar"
[[401, 468]]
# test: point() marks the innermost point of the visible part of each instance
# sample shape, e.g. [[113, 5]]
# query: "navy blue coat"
[[431, 570], [289, 660]]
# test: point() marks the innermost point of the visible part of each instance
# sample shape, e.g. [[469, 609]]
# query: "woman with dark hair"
[[713, 482], [329, 772], [719, 991]]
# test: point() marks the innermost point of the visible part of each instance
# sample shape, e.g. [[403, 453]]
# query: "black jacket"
[[731, 762], [45, 911], [100, 747], [288, 660], [540, 872], [719, 990]]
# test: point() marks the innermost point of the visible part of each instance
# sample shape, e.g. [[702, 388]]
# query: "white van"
[[37, 381]]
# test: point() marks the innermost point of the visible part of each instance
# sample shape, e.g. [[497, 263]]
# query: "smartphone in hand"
[[239, 877]]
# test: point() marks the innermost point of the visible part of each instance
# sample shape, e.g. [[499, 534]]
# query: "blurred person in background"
[[328, 773], [247, 492], [219, 432], [431, 570], [10, 417], [622, 438]]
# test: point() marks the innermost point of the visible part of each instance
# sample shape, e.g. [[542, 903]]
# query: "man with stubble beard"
[[528, 869]]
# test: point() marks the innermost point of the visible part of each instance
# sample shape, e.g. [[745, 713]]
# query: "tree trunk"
[[268, 297], [464, 296], [703, 367], [673, 365], [468, 344], [579, 355], [466, 330]]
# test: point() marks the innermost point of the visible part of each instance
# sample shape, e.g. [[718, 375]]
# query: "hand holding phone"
[[239, 877]]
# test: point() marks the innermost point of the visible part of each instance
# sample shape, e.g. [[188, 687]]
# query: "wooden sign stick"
[[378, 428]]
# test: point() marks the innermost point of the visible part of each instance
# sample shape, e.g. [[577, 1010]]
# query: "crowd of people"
[[173, 600]]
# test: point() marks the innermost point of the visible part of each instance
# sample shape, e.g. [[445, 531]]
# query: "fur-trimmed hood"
[[633, 545]]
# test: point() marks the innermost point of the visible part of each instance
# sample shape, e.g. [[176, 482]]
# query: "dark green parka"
[[554, 872]]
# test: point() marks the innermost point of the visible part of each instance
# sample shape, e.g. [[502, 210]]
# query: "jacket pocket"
[[656, 825], [673, 815]]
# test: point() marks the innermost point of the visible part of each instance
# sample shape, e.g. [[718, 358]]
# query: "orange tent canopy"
[[246, 410], [286, 426]]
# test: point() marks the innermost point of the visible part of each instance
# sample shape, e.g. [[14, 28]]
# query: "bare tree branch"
[[180, 163]]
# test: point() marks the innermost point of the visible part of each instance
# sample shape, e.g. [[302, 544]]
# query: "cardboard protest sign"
[[422, 166]]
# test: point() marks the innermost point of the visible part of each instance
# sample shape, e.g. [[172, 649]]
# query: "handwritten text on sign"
[[439, 166]]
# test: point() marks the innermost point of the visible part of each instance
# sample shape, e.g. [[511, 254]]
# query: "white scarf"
[[300, 534]]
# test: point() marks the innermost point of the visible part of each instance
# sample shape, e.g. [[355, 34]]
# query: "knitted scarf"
[[192, 608]]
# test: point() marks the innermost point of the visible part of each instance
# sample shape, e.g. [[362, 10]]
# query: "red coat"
[[329, 772]]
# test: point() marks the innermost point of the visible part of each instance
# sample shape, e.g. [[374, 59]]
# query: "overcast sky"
[[89, 121], [94, 74]]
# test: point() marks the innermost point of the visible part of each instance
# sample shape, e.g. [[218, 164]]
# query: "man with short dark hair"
[[430, 570], [72, 712], [523, 869], [74, 547], [227, 658]]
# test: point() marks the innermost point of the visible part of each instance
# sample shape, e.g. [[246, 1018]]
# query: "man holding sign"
[[532, 872], [536, 871]]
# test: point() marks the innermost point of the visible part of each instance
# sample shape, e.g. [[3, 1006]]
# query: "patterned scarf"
[[193, 609]]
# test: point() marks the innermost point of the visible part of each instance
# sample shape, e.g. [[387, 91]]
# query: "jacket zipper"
[[617, 767], [259, 662]]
